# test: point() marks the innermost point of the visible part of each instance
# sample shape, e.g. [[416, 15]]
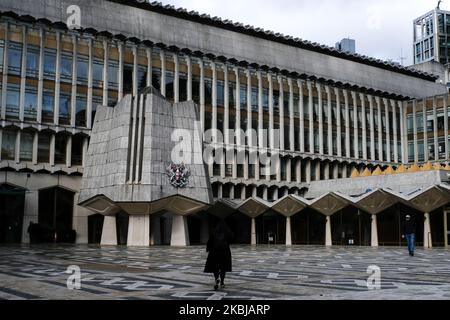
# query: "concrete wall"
[[143, 24], [36, 182]]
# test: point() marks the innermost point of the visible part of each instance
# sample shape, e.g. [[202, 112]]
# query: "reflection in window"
[[32, 61], [30, 108], [8, 144], [43, 148], [113, 70], [80, 119], [82, 69], [48, 103], [220, 93], [64, 107], [66, 67], [12, 101], [49, 63], [26, 146], [97, 73], [2, 51], [14, 58], [142, 77]]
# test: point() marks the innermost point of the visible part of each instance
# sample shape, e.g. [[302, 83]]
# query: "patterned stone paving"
[[263, 272]]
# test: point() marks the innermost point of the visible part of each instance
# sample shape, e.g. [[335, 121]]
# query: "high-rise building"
[[346, 45], [338, 115]]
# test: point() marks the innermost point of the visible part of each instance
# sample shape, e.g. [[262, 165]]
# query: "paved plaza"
[[262, 272]]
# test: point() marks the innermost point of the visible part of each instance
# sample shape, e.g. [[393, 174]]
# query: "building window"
[[156, 78], [80, 117], [2, 51], [77, 150], [113, 70], [48, 104], [12, 101], [142, 78], [8, 144], [60, 149], [255, 99], [30, 108], [64, 108], [220, 93], [182, 86], [169, 85], [26, 146], [49, 63], [14, 58], [97, 73], [96, 101], [196, 89], [208, 91], [32, 61], [43, 148], [82, 69], [66, 67]]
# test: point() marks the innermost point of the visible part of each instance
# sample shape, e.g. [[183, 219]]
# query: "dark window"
[[183, 87], [66, 67], [220, 94], [30, 108], [97, 73], [48, 106], [77, 150], [156, 78], [43, 148], [113, 70], [26, 146], [49, 63], [142, 77], [12, 101], [82, 69], [127, 79], [14, 58], [169, 85], [32, 61], [208, 91], [8, 144], [80, 117], [64, 107], [60, 149], [196, 89], [96, 100]]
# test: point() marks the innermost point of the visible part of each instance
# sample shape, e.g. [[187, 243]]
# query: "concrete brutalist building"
[[87, 117]]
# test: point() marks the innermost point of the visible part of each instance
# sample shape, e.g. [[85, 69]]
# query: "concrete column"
[[288, 232], [180, 234], [69, 152], [239, 141], [189, 78], [298, 170], [338, 123], [380, 129], [372, 129], [302, 116], [23, 74], [162, 56], [176, 79], [35, 147], [404, 142], [435, 131], [214, 99], [5, 69], [271, 120], [226, 109], [427, 239], [388, 131], [120, 72], [249, 107], [202, 95], [328, 239], [260, 110], [17, 148], [253, 232], [40, 93], [139, 230], [135, 71], [105, 72], [155, 235], [85, 150], [109, 232], [336, 170], [311, 117], [148, 52], [425, 130], [330, 121], [58, 78], [364, 126], [89, 91], [319, 93], [308, 171], [291, 116], [355, 125], [288, 170], [446, 125], [281, 145], [73, 101], [347, 125], [52, 150], [326, 171], [394, 127], [374, 231], [317, 168]]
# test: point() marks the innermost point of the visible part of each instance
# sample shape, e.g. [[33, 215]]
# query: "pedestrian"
[[219, 254], [409, 229]]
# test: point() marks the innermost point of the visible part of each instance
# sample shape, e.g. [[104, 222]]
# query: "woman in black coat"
[[219, 257]]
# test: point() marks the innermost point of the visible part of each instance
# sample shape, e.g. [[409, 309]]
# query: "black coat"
[[219, 257], [409, 227]]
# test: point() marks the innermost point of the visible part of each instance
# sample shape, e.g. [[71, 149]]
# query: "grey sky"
[[381, 28]]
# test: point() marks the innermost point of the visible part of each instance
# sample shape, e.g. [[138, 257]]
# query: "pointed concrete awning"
[[428, 199], [101, 204], [329, 203], [372, 202], [289, 205], [254, 207], [223, 208]]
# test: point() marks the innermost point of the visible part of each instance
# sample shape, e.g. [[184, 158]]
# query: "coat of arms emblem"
[[178, 175]]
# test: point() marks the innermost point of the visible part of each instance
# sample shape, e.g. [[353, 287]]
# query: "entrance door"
[[11, 213], [95, 227]]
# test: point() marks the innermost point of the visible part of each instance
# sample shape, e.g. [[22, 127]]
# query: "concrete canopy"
[[429, 199], [223, 208], [289, 205], [254, 207], [328, 204], [372, 202]]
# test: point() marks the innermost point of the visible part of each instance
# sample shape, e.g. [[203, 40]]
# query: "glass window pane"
[[66, 67], [80, 119], [26, 146], [8, 144], [32, 61], [49, 62], [43, 148], [64, 108], [30, 108], [12, 101], [82, 68], [48, 103], [14, 58]]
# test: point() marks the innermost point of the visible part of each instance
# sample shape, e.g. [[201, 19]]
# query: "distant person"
[[409, 229], [219, 257]]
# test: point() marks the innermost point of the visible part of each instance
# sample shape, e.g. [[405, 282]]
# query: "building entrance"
[[12, 201]]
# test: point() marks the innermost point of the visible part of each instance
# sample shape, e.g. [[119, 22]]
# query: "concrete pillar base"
[[109, 232], [374, 231], [253, 232], [427, 240], [180, 234], [139, 231], [328, 239], [288, 232]]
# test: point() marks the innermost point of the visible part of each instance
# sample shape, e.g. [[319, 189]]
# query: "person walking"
[[409, 229], [219, 254]]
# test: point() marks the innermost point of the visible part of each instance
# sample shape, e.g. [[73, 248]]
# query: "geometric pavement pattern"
[[261, 272]]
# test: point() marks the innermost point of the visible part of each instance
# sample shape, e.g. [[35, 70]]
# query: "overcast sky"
[[381, 28]]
